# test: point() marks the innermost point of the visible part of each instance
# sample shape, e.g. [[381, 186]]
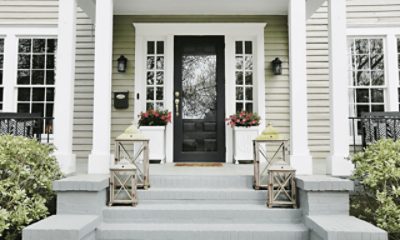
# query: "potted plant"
[[152, 124], [245, 130]]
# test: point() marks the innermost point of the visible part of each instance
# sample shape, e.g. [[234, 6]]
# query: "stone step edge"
[[76, 226], [195, 227], [201, 189], [188, 207]]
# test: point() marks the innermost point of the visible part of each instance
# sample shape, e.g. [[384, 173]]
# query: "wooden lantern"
[[282, 186], [268, 148], [133, 146], [123, 184]]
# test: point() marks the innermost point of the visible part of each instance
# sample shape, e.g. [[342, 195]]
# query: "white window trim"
[[11, 34], [389, 35], [232, 32]]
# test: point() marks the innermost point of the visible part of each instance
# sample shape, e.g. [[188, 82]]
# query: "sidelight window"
[[244, 76], [155, 75]]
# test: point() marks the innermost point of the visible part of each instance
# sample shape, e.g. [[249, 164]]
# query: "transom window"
[[155, 75], [1, 71], [36, 77], [244, 76], [367, 71]]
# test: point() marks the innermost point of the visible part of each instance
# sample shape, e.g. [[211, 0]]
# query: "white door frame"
[[232, 32]]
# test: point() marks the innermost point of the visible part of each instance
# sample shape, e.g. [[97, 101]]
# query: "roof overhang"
[[201, 7]]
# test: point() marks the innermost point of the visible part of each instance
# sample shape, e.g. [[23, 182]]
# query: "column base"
[[67, 162], [99, 163], [302, 163], [339, 166]]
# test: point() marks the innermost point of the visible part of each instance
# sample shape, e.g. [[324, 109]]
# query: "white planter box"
[[243, 142], [156, 134]]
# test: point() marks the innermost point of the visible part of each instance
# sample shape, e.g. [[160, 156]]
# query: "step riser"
[[223, 195], [201, 216], [216, 182], [202, 235], [194, 201]]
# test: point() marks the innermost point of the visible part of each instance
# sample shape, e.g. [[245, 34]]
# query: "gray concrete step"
[[201, 181], [189, 231], [200, 213], [63, 227], [212, 194]]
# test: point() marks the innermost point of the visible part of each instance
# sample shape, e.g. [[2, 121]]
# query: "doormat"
[[200, 164]]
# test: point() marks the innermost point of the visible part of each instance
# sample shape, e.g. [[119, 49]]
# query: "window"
[[155, 75], [398, 68], [36, 77], [1, 71], [367, 81], [244, 76]]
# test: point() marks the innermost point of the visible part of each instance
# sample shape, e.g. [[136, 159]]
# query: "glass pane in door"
[[199, 99]]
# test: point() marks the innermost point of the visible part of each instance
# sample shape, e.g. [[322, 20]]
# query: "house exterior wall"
[[373, 12], [276, 45], [37, 13], [28, 12], [359, 13], [318, 88], [45, 12], [83, 102]]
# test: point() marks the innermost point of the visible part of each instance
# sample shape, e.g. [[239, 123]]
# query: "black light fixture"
[[122, 61], [277, 66]]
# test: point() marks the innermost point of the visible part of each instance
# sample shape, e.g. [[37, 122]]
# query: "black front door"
[[199, 99]]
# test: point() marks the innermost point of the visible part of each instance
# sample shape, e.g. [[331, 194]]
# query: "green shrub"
[[27, 170], [378, 173]]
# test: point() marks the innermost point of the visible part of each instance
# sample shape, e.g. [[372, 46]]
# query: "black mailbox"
[[121, 99]]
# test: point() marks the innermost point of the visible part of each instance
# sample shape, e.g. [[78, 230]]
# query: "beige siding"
[[276, 45], [28, 12], [45, 12], [373, 11], [83, 105], [359, 12], [318, 88]]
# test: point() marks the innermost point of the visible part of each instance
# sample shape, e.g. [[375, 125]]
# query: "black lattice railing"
[[28, 125], [373, 126]]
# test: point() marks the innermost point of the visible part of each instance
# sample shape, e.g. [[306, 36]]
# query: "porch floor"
[[228, 169]]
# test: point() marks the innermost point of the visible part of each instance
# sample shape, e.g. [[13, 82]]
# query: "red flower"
[[154, 118], [243, 119]]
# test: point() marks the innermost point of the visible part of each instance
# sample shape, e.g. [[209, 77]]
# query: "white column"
[[392, 79], [10, 72], [338, 163], [100, 157], [300, 157], [64, 95]]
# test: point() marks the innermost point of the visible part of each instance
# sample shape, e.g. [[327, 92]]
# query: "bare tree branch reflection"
[[199, 86]]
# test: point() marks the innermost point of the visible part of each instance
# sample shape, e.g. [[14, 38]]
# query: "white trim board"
[[370, 31], [231, 32]]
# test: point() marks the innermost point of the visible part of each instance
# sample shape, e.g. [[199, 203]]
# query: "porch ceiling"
[[201, 7]]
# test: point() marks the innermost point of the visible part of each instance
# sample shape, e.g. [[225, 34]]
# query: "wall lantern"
[[122, 61], [277, 66]]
